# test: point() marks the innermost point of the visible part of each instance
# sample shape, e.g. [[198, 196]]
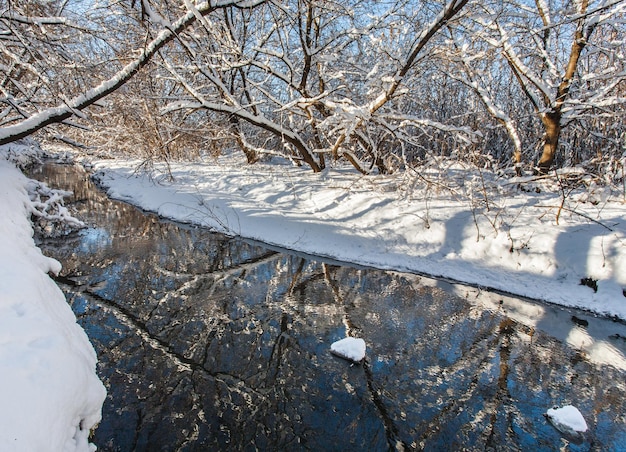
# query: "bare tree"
[[380, 84], [310, 73], [23, 34], [482, 72], [550, 74]]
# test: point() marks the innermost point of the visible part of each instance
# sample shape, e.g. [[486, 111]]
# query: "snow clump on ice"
[[351, 348], [567, 419]]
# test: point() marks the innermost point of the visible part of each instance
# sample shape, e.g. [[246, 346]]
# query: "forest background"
[[513, 86]]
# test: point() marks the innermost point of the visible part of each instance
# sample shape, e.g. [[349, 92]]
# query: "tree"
[[306, 73], [556, 61], [380, 84], [483, 73], [549, 72], [30, 51]]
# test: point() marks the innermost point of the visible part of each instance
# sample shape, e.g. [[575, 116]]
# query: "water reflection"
[[212, 343]]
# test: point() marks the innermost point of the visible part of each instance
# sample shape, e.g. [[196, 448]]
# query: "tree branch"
[[67, 109]]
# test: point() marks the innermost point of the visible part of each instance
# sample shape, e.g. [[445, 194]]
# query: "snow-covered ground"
[[49, 391], [458, 223]]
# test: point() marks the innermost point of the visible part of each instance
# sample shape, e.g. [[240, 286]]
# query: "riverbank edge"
[[51, 394]]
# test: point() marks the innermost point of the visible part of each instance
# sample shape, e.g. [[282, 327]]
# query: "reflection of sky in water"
[[93, 239]]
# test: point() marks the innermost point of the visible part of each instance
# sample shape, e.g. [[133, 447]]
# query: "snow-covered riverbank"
[[51, 396], [436, 223]]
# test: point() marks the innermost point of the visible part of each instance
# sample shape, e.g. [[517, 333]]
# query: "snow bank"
[[392, 222], [49, 391]]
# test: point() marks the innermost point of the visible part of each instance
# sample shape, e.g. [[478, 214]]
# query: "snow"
[[567, 419], [350, 348], [51, 396], [402, 223]]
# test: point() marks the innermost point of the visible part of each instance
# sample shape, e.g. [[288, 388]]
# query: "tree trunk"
[[552, 119], [251, 155], [552, 124]]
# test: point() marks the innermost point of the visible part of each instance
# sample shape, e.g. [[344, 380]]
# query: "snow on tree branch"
[[80, 102]]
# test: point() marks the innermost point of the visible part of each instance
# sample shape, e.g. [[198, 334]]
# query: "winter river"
[[207, 342]]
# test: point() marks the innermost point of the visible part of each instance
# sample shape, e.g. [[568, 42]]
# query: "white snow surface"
[[351, 348], [567, 418], [433, 223], [50, 395]]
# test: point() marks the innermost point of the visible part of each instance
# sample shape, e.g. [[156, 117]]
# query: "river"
[[208, 342]]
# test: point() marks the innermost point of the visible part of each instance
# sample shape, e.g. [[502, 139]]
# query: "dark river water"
[[207, 342]]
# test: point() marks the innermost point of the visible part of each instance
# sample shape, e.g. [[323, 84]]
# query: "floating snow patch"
[[351, 348], [567, 420]]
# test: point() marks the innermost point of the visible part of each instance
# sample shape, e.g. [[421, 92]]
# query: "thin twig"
[[580, 214]]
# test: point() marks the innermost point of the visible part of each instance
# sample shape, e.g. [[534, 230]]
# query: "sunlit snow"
[[351, 348], [499, 237], [50, 394], [567, 419]]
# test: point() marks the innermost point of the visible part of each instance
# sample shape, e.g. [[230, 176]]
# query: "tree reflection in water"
[[211, 343]]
